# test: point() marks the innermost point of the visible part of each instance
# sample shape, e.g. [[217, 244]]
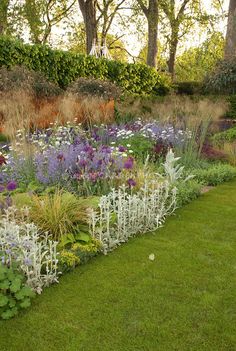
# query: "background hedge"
[[63, 67]]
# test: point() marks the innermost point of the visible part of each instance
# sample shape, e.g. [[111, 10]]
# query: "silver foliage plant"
[[122, 215], [34, 252]]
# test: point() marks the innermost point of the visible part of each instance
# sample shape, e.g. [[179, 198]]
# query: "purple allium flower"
[[2, 188], [131, 182], [121, 148], [129, 163], [12, 185], [82, 163]]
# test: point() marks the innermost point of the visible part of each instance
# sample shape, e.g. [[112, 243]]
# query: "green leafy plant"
[[215, 174], [63, 67], [226, 136], [14, 293], [187, 192]]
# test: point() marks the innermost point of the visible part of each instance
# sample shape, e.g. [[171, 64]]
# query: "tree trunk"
[[230, 46], [172, 57], [4, 5], [88, 9], [152, 17]]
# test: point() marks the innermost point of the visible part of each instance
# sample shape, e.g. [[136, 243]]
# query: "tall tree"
[[4, 8], [89, 9], [230, 46], [151, 13]]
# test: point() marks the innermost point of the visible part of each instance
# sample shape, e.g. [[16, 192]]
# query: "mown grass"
[[184, 300]]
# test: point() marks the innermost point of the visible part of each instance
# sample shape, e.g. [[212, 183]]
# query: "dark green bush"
[[215, 175], [232, 107], [95, 87], [228, 135], [189, 88], [19, 77], [223, 78], [14, 294], [64, 67], [187, 192]]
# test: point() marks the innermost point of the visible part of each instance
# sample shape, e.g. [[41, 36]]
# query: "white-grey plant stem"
[[122, 215], [33, 251]]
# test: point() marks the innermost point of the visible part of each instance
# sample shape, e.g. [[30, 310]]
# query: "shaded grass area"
[[185, 300]]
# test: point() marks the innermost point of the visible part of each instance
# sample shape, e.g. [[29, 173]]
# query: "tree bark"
[[88, 10], [230, 45], [151, 13], [152, 34], [4, 5], [172, 55]]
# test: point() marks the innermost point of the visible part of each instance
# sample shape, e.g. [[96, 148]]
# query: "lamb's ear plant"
[[173, 170], [34, 251], [122, 215]]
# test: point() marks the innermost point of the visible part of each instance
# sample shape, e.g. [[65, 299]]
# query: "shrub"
[[187, 192], [216, 174], [223, 78], [189, 88], [63, 67], [231, 113], [228, 135], [21, 78], [57, 213], [94, 87], [14, 293]]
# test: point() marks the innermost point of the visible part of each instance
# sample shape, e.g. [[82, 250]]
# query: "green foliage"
[[95, 87], [196, 62], [189, 88], [215, 174], [78, 253], [63, 67], [232, 107], [228, 135], [223, 78], [140, 146], [14, 294], [187, 192], [56, 213], [19, 77]]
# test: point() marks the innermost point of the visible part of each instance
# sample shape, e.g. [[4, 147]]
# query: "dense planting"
[[63, 67]]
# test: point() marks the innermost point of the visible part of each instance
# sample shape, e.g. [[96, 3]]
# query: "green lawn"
[[185, 300]]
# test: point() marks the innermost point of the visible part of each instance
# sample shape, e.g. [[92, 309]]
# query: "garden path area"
[[184, 300]]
